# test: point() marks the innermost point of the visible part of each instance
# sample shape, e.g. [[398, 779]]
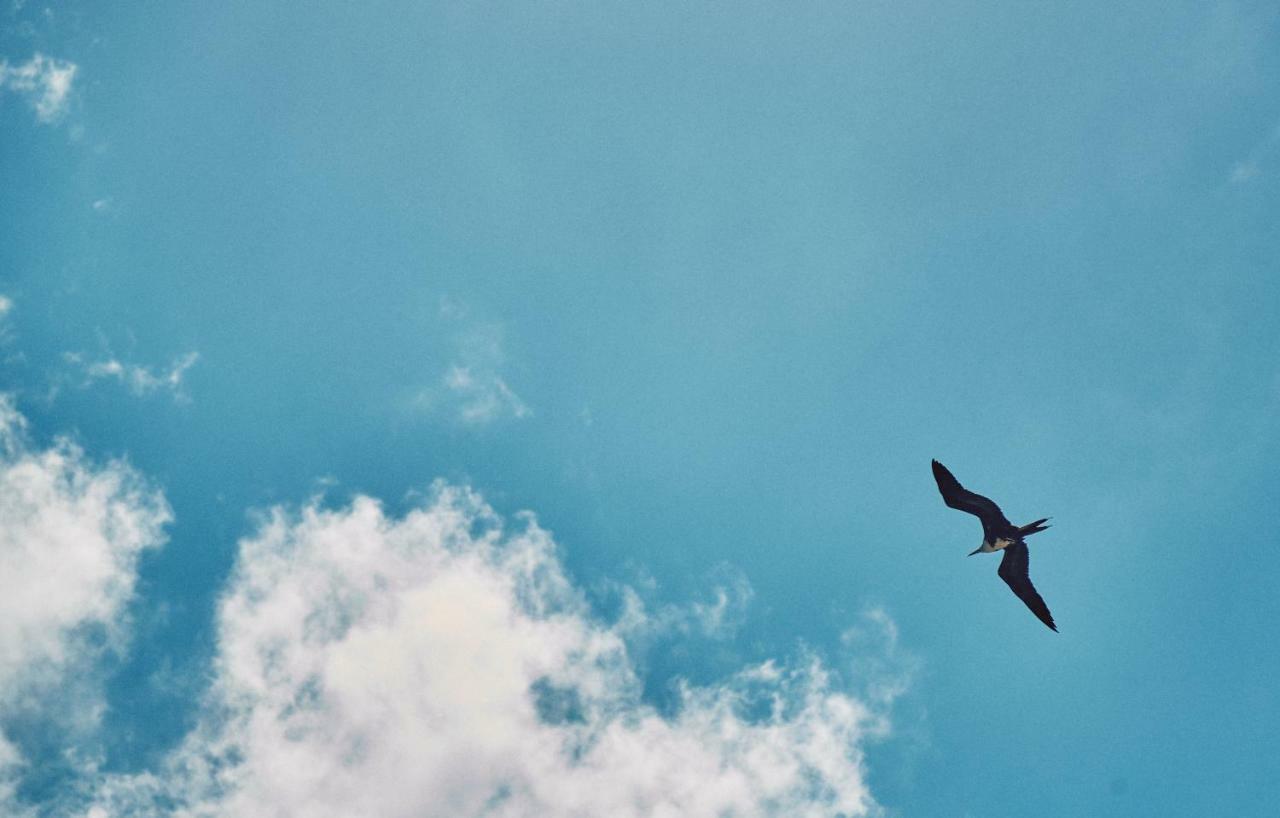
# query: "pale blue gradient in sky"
[[716, 281]]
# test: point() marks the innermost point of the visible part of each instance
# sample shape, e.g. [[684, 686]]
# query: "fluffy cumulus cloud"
[[439, 663], [71, 532], [443, 664], [44, 81]]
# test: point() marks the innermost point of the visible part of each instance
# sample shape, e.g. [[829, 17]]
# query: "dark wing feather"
[[1013, 570], [994, 523]]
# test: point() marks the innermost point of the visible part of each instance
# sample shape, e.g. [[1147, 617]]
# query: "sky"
[[450, 409]]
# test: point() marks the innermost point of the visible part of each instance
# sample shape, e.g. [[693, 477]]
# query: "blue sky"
[[701, 288]]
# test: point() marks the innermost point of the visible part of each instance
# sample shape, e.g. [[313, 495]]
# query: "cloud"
[[71, 532], [716, 618], [439, 663], [1250, 168], [1243, 172], [481, 396], [6, 328], [443, 664], [881, 665], [45, 81], [472, 390], [139, 379]]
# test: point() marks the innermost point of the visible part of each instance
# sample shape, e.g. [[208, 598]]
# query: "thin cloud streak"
[[140, 380]]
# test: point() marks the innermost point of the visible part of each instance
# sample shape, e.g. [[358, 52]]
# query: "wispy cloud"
[[884, 668], [481, 395], [44, 81], [472, 390], [6, 331], [443, 664], [140, 380], [716, 617]]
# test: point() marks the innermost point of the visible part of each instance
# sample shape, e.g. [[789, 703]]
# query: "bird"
[[998, 534]]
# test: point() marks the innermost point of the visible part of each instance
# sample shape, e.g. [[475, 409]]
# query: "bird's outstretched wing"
[[1013, 570], [994, 523]]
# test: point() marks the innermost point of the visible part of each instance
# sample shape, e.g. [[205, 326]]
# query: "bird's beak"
[[975, 551]]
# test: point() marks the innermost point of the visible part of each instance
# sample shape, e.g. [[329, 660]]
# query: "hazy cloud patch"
[[1251, 167], [473, 391], [44, 81], [6, 326], [481, 396]]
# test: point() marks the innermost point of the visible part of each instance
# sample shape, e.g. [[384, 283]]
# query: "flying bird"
[[998, 534]]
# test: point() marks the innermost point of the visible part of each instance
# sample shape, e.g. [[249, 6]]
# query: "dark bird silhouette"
[[998, 534]]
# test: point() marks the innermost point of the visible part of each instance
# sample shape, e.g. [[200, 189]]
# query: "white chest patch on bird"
[[999, 544]]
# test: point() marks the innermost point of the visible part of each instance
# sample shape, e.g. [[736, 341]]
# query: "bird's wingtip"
[[941, 473]]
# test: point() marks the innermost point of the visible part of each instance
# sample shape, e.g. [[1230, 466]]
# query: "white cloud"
[[437, 664], [45, 81], [70, 535], [140, 380], [443, 664]]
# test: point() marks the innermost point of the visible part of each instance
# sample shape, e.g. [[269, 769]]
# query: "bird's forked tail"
[[1033, 528]]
